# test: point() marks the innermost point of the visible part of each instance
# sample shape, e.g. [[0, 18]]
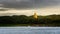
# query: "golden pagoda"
[[35, 15]]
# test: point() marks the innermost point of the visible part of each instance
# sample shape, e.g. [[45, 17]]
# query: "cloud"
[[17, 4], [3, 9], [25, 4], [16, 12]]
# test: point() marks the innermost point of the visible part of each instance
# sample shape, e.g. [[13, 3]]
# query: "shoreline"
[[29, 25]]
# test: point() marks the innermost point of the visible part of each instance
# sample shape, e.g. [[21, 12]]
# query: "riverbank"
[[33, 25]]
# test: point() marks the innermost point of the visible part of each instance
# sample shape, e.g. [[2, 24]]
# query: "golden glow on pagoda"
[[35, 15]]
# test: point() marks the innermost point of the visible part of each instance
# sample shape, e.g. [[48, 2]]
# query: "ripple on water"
[[29, 30]]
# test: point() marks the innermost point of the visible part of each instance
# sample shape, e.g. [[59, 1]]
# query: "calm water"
[[29, 30]]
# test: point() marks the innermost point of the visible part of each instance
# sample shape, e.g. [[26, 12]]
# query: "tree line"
[[23, 19]]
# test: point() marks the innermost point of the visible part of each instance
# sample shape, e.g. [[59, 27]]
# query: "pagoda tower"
[[35, 15]]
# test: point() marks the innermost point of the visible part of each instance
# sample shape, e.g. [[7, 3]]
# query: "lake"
[[29, 30]]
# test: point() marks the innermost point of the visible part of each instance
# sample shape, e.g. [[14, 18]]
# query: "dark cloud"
[[28, 3], [17, 4], [3, 9]]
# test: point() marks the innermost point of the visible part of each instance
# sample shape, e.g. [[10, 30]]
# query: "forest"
[[19, 20]]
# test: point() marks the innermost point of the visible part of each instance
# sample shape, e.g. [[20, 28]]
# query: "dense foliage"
[[23, 19]]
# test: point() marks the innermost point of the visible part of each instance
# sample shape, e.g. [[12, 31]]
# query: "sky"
[[27, 7]]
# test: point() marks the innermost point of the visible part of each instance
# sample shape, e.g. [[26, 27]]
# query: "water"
[[29, 30]]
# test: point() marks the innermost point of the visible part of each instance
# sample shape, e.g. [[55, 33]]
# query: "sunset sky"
[[27, 7]]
